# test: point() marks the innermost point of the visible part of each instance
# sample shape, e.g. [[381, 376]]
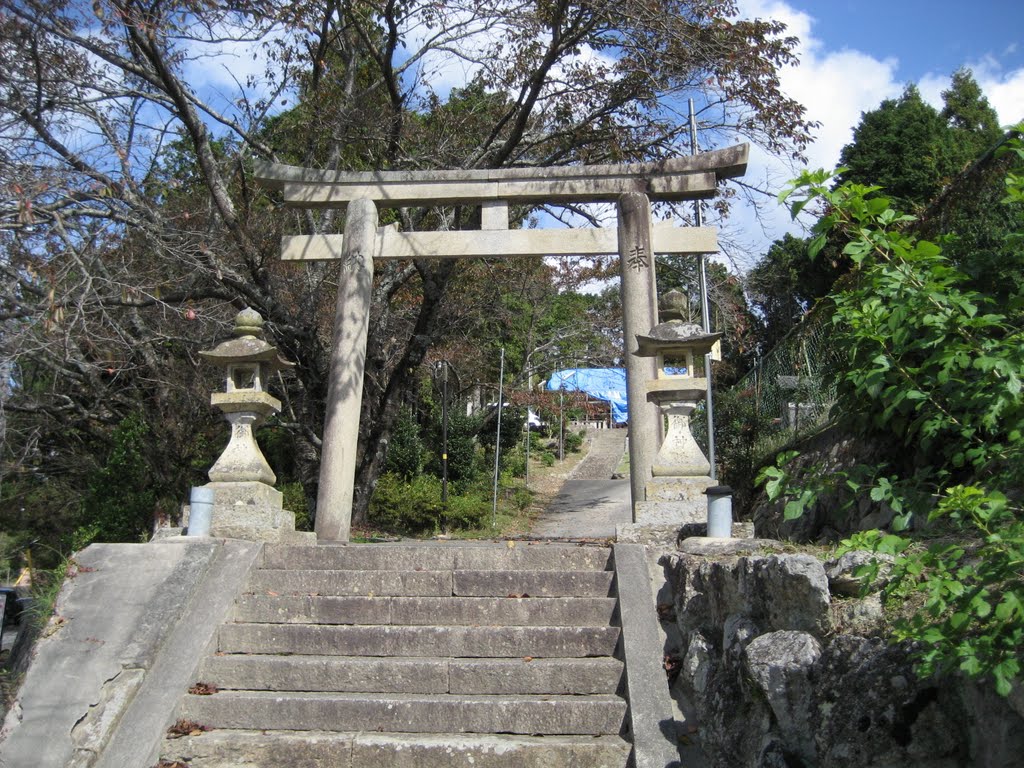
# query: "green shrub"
[[468, 511], [522, 499], [514, 462], [405, 449], [463, 464], [574, 441], [295, 501], [414, 506], [931, 367], [122, 496]]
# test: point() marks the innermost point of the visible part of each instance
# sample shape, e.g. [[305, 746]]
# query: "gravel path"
[[606, 449]]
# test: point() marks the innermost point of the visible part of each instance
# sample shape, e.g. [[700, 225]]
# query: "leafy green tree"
[[406, 450], [912, 150], [968, 113], [933, 369], [121, 502], [976, 230], [902, 146], [124, 256], [786, 283]]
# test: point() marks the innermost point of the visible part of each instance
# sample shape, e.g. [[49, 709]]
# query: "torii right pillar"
[[639, 314]]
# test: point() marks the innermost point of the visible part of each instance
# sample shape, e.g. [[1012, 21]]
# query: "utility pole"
[[705, 313], [497, 441]]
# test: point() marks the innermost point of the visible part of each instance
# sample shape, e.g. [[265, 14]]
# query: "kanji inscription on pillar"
[[638, 259]]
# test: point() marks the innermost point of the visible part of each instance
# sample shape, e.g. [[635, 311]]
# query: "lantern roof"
[[675, 336], [248, 346]]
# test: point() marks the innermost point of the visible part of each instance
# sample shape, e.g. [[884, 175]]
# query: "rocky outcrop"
[[784, 669]]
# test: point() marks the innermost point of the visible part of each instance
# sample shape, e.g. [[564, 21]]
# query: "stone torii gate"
[[632, 187]]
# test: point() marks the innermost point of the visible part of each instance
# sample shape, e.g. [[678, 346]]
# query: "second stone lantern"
[[681, 471], [246, 505]]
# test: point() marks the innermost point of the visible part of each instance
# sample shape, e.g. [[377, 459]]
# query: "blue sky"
[[926, 37]]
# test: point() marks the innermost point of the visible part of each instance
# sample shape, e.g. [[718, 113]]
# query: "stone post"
[[345, 388], [639, 315]]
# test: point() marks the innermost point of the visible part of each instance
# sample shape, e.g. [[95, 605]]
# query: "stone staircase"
[[413, 656]]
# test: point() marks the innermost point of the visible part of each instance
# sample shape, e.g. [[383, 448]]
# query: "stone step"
[[412, 675], [481, 642], [408, 713], [486, 583], [244, 749], [438, 557], [532, 583], [490, 611], [365, 583]]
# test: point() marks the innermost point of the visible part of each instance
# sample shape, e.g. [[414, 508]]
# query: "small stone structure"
[[246, 504], [780, 666]]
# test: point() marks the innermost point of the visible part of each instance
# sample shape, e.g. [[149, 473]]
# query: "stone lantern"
[[674, 494], [677, 348], [246, 505]]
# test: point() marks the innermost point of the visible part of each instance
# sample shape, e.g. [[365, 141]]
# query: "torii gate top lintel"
[[683, 178]]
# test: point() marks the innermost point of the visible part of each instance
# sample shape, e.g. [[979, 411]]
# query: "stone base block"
[[662, 536], [250, 510], [740, 530], [677, 513], [679, 489], [669, 534], [700, 545]]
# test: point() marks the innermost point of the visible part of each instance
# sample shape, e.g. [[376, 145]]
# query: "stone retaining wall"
[[785, 671]]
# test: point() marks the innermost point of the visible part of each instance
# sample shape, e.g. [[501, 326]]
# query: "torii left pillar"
[[348, 360]]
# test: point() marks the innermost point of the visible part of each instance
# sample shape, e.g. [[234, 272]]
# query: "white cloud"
[[836, 87], [1004, 89]]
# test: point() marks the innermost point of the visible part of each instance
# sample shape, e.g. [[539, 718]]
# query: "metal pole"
[[444, 435], [561, 422], [497, 441], [705, 314], [526, 480]]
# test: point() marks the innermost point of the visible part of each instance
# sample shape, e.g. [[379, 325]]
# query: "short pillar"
[[639, 314], [719, 511], [348, 360]]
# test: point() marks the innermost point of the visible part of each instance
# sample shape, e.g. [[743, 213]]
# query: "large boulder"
[[738, 598], [780, 665], [844, 572]]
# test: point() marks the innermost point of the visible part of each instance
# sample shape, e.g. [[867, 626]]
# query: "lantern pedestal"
[[250, 510], [679, 455], [242, 460]]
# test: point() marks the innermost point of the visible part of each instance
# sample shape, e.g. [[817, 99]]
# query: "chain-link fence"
[[789, 391], [792, 386]]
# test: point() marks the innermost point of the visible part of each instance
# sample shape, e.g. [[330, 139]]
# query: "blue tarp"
[[608, 384]]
